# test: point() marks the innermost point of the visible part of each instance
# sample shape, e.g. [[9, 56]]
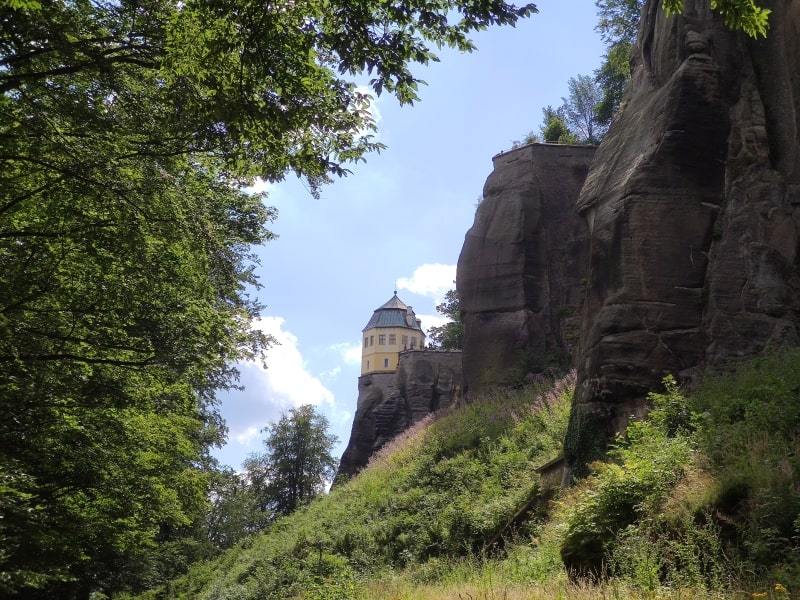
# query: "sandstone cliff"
[[693, 202], [390, 403], [522, 268]]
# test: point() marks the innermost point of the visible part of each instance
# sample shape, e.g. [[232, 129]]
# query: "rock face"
[[390, 403], [522, 268], [693, 202]]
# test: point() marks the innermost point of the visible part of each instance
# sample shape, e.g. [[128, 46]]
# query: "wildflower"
[[759, 595], [780, 588]]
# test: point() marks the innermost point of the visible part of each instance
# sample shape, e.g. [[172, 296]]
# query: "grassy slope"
[[702, 500]]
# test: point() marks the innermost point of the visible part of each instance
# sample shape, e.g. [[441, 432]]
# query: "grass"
[[700, 501], [437, 494], [545, 591]]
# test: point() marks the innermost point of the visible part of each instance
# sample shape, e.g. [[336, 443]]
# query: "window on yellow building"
[[385, 363], [392, 339], [381, 340], [405, 342], [413, 342], [372, 340], [368, 365], [366, 340]]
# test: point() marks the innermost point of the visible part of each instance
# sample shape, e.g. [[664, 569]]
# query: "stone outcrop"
[[522, 268], [693, 202], [390, 403]]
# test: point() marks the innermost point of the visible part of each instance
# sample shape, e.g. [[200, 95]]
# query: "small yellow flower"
[[759, 595], [780, 589]]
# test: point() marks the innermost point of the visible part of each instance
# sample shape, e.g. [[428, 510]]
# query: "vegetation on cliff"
[[449, 336], [700, 500], [447, 490], [592, 101]]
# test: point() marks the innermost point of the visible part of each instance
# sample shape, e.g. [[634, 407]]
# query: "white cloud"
[[350, 353], [429, 321], [330, 374], [269, 393], [287, 378], [259, 186], [432, 280], [372, 107], [246, 437]]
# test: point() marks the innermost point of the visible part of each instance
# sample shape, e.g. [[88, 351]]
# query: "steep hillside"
[[454, 485], [700, 501], [390, 403]]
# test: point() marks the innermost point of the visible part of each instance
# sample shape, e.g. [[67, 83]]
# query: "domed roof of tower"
[[394, 313]]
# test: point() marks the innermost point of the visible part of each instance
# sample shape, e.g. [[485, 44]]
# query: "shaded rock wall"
[[522, 267], [390, 403], [693, 202]]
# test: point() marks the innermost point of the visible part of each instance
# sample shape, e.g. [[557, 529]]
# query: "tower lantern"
[[393, 328]]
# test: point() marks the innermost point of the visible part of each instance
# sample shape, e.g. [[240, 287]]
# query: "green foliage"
[[297, 465], [745, 15], [618, 24], [750, 424], [645, 466], [703, 493], [442, 490], [530, 138], [73, 509], [450, 335], [618, 21], [127, 130], [581, 109], [612, 77], [695, 501], [683, 552], [579, 120], [236, 509], [554, 129]]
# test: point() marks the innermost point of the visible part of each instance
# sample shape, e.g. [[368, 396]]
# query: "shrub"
[[436, 493], [645, 465], [750, 432]]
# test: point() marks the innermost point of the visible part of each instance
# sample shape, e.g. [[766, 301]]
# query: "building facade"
[[393, 328]]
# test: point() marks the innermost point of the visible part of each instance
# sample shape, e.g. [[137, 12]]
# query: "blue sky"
[[399, 219]]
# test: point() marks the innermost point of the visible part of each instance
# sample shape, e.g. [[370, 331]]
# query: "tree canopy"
[[554, 129], [127, 131], [581, 109], [450, 335], [618, 25], [297, 464], [743, 15]]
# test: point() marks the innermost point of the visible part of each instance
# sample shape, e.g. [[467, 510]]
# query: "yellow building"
[[393, 328]]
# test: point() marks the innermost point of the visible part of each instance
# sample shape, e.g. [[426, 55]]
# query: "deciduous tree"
[[236, 509], [450, 335], [553, 127], [297, 464], [618, 25], [581, 108], [127, 129]]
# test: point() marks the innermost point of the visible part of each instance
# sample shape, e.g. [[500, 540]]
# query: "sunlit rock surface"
[[390, 403], [693, 203], [522, 268]]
